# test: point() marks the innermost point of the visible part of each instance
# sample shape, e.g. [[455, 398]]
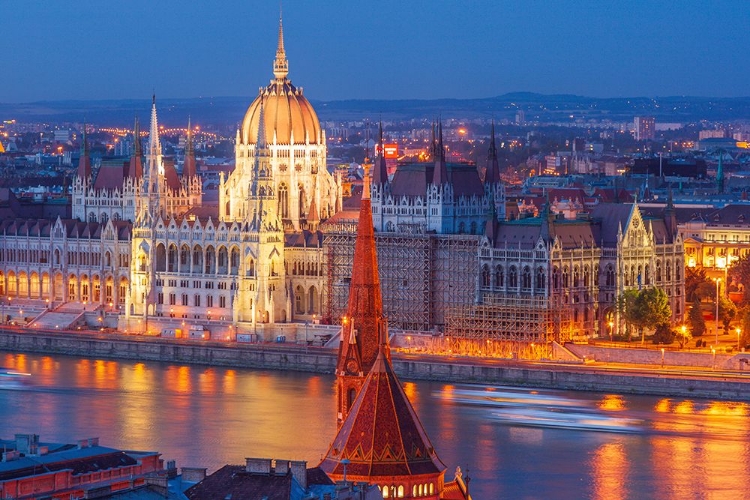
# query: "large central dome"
[[287, 116]]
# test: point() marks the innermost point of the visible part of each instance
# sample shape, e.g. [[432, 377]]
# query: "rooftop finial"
[[280, 64]]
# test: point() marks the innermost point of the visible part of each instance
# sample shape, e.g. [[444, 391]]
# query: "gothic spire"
[[440, 175], [135, 170], [189, 169], [380, 174], [492, 175], [84, 163], [280, 64]]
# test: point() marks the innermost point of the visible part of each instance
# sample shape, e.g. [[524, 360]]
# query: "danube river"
[[516, 444]]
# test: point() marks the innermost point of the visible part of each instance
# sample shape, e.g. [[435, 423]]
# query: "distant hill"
[[227, 112]]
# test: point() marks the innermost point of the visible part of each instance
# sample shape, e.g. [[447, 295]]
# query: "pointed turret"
[[492, 175], [720, 173], [440, 175], [364, 326], [135, 170], [280, 64], [189, 169], [380, 176], [84, 163], [382, 440]]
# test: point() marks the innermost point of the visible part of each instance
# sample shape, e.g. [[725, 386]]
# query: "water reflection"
[[212, 416]]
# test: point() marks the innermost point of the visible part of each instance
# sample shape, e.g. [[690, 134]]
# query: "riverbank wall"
[[579, 377]]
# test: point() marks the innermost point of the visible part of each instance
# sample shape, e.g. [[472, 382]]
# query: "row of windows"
[[185, 300]]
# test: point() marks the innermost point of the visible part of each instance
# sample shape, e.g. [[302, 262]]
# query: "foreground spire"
[[363, 328], [84, 163]]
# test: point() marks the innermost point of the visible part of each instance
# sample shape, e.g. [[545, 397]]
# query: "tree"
[[696, 283], [647, 308], [727, 312], [695, 319], [744, 320], [739, 274], [664, 334], [653, 304]]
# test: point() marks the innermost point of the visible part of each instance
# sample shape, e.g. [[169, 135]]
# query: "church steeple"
[[280, 64], [135, 170], [155, 187], [363, 328]]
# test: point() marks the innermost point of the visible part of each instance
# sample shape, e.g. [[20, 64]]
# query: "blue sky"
[[385, 49]]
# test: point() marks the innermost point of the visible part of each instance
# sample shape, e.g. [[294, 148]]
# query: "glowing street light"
[[718, 282], [611, 330], [739, 330]]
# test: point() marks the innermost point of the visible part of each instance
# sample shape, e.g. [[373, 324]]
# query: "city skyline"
[[385, 51]]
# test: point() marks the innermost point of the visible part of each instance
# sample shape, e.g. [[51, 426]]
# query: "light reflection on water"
[[205, 416]]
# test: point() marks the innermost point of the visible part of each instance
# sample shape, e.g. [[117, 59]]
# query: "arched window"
[[541, 279], [473, 227], [301, 200], [284, 201], [512, 277], [565, 277], [576, 277], [485, 276], [499, 277], [526, 278], [610, 276], [556, 278], [658, 271]]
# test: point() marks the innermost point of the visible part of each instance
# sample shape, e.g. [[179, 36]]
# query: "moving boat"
[[13, 380], [572, 420]]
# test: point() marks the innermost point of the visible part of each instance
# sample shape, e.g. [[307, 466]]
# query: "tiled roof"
[[233, 481], [382, 436]]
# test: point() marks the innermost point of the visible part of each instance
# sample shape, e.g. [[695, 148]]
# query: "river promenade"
[[579, 367]]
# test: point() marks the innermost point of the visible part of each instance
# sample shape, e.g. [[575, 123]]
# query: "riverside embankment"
[[653, 380]]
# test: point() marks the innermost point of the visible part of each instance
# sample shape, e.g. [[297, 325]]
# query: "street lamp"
[[611, 331], [662, 357], [739, 330], [718, 282]]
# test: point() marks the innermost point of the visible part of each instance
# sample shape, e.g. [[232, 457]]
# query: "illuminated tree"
[[739, 274], [695, 319]]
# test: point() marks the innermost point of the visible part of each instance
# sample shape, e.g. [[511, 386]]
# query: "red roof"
[[382, 437]]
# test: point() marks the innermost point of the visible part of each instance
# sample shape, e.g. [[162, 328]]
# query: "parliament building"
[[278, 248]]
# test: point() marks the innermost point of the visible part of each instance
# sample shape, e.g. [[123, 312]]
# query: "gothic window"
[[299, 300], [184, 253], [677, 270], [586, 276], [646, 275], [461, 227], [512, 277], [556, 278], [526, 278], [172, 258], [103, 218], [565, 277], [234, 260], [301, 200], [284, 201], [473, 227], [668, 269], [161, 257], [499, 277], [389, 226], [541, 279], [658, 271], [610, 276], [92, 217], [576, 277], [485, 276]]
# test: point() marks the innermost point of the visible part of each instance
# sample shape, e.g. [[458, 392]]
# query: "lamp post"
[[662, 357], [716, 341], [611, 331], [683, 328], [739, 330]]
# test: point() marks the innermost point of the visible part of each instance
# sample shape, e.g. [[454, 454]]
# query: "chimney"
[[93, 442], [282, 467], [83, 443], [193, 474], [258, 465], [299, 471]]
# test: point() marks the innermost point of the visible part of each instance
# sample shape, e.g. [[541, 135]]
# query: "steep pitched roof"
[[382, 436]]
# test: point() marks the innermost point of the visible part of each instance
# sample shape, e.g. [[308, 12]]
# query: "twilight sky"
[[365, 49]]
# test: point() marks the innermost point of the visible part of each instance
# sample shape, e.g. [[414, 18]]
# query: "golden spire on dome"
[[280, 64]]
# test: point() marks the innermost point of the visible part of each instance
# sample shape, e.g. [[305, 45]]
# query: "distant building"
[[645, 128], [711, 134]]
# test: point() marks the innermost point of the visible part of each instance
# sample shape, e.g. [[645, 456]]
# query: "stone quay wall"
[[573, 376]]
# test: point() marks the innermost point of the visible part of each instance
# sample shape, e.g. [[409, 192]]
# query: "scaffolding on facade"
[[528, 320], [421, 275]]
